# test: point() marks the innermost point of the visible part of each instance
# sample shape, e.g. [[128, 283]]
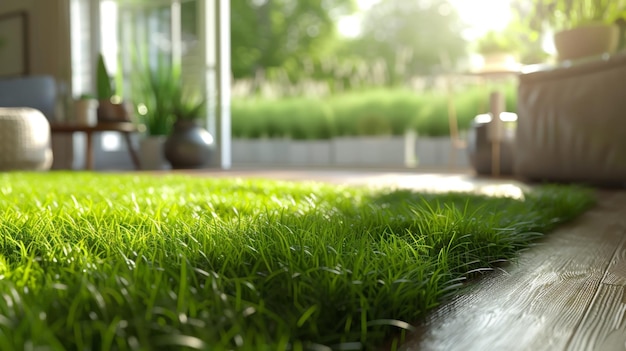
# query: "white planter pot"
[[438, 152], [345, 151], [585, 41], [433, 151], [392, 151], [271, 151], [397, 151], [499, 61], [245, 151], [369, 151], [242, 151], [298, 153], [319, 152], [151, 155], [85, 112], [281, 152]]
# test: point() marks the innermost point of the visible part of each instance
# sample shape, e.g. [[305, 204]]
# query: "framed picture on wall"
[[14, 44]]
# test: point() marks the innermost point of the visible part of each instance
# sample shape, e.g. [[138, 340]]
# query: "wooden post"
[[497, 102]]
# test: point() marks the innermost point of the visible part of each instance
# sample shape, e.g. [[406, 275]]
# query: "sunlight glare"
[[349, 26], [483, 15], [480, 15]]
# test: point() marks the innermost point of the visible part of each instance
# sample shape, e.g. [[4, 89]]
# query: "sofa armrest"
[[572, 121]]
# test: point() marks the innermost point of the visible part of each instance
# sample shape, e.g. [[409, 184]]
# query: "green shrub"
[[366, 113], [433, 116], [510, 91], [345, 110], [469, 104], [310, 119], [247, 119], [406, 107], [297, 118]]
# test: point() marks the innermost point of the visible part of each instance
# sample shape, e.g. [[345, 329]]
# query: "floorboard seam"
[[595, 295]]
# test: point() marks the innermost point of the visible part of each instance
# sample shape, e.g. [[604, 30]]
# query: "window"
[[125, 31]]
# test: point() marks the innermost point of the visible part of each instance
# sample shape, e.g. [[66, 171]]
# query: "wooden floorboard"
[[616, 273], [603, 327], [552, 298]]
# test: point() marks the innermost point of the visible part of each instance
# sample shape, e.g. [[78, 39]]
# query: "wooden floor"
[[565, 293]]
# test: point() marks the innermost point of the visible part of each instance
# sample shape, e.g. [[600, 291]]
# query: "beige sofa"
[[572, 122]]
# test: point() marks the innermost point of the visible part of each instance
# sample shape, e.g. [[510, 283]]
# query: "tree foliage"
[[412, 37], [528, 38], [275, 33]]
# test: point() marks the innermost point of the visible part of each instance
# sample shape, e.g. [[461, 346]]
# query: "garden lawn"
[[127, 262]]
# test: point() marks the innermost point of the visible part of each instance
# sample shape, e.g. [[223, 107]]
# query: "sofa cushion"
[[38, 92]]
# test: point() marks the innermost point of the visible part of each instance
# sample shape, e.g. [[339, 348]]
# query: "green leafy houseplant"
[[495, 42], [568, 14], [110, 106], [188, 144], [106, 89], [188, 105], [499, 51], [583, 28], [162, 99], [86, 96], [154, 99]]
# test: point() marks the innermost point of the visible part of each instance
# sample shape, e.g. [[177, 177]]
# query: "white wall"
[[14, 5], [49, 34]]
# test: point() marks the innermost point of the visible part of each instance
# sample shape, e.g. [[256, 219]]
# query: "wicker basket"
[[24, 140]]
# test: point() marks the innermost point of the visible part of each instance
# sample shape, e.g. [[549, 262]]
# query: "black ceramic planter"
[[189, 146], [480, 148]]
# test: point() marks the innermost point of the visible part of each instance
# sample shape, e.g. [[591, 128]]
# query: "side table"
[[125, 128]]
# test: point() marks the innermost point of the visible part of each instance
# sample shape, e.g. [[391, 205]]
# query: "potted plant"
[[170, 114], [189, 145], [154, 93], [582, 27], [110, 106], [85, 110], [497, 50]]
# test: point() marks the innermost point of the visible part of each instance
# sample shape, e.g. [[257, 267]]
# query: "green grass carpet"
[[126, 262]]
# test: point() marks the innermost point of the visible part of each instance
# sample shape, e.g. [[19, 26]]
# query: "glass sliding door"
[[135, 34], [151, 31]]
